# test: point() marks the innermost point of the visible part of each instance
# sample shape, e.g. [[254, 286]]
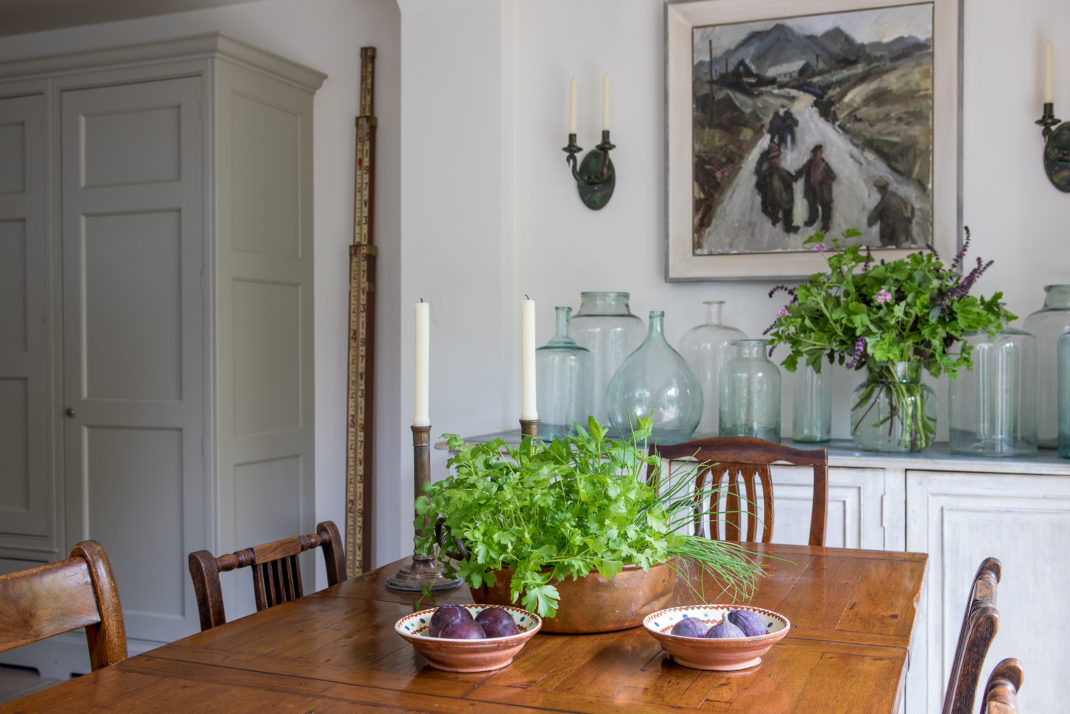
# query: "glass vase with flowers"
[[894, 319]]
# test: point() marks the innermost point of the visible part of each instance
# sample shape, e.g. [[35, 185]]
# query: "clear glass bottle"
[[1064, 395], [1047, 324], [655, 381], [750, 392], [563, 373], [812, 405], [892, 409], [606, 327], [706, 348], [993, 407]]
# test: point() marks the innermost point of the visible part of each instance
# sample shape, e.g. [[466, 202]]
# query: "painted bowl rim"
[[648, 624], [475, 608]]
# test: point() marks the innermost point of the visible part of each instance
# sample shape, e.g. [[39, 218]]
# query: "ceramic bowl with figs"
[[718, 637], [469, 638]]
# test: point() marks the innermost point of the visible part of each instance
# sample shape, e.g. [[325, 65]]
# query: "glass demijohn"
[[606, 327], [655, 381], [706, 348], [994, 406], [563, 372], [812, 405], [1064, 395], [1047, 325], [750, 392]]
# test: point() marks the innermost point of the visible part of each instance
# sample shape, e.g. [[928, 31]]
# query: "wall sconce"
[[1056, 132], [594, 174]]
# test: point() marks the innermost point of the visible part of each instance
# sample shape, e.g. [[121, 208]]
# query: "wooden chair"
[[276, 575], [979, 626], [729, 460], [59, 597], [1001, 692]]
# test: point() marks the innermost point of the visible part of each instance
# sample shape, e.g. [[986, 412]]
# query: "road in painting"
[[820, 122]]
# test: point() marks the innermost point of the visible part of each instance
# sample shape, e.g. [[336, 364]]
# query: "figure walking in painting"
[[817, 178], [776, 123], [781, 192], [895, 215], [761, 182], [788, 122]]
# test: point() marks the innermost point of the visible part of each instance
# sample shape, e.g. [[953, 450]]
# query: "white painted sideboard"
[[959, 510]]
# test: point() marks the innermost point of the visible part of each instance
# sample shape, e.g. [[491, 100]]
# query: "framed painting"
[[786, 118]]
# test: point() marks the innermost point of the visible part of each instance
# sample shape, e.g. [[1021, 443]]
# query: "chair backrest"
[[59, 597], [724, 464], [1001, 692], [979, 626], [276, 575]]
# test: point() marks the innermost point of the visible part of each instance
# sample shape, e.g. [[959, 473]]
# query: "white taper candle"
[[421, 364], [528, 409]]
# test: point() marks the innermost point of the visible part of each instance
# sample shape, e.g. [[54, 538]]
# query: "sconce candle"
[[421, 339], [1049, 73], [528, 409], [605, 102], [572, 106]]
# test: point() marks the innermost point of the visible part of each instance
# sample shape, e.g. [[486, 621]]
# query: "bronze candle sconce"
[[1056, 148], [594, 174]]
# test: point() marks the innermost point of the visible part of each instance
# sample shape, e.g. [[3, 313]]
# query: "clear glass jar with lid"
[[606, 326], [1047, 325]]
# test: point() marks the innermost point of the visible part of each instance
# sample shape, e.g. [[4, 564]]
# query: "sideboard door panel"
[[959, 519]]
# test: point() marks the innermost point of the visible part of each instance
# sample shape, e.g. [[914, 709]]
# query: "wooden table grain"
[[852, 614]]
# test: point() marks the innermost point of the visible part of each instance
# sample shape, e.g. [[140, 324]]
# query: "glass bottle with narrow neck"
[[655, 381], [706, 348], [563, 373], [1047, 325]]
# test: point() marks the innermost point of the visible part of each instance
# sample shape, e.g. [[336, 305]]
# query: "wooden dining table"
[[852, 615]]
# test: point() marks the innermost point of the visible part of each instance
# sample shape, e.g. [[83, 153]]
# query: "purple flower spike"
[[782, 312], [820, 247], [884, 296], [860, 350]]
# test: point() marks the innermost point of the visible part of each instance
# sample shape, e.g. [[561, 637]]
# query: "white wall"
[[326, 35]]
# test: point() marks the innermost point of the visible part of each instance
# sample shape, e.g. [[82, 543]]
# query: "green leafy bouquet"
[[863, 313], [548, 511]]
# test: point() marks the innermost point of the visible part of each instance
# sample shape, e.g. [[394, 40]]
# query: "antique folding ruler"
[[360, 392]]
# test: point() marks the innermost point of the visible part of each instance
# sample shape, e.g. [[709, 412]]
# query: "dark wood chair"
[[59, 597], [1001, 692], [979, 626], [728, 462], [276, 575]]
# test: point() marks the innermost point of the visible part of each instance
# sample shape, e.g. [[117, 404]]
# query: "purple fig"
[[462, 630], [689, 627], [723, 630], [497, 622], [749, 621], [444, 616]]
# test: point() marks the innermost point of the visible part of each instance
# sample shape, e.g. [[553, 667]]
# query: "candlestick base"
[[529, 427], [420, 572]]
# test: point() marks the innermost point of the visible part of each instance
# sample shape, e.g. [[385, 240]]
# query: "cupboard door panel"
[[959, 519]]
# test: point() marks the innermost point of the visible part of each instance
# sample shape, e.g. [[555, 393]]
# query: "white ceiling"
[[20, 16]]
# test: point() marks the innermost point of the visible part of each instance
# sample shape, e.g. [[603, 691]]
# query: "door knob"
[[71, 412]]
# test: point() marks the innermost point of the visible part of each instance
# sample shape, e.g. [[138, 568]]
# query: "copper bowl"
[[594, 604], [718, 654], [468, 655]]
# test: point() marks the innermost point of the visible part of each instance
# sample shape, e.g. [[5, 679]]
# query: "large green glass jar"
[[606, 326], [1047, 325], [706, 348], [655, 381]]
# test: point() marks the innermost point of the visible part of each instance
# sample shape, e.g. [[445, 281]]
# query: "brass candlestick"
[[529, 427], [423, 570]]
